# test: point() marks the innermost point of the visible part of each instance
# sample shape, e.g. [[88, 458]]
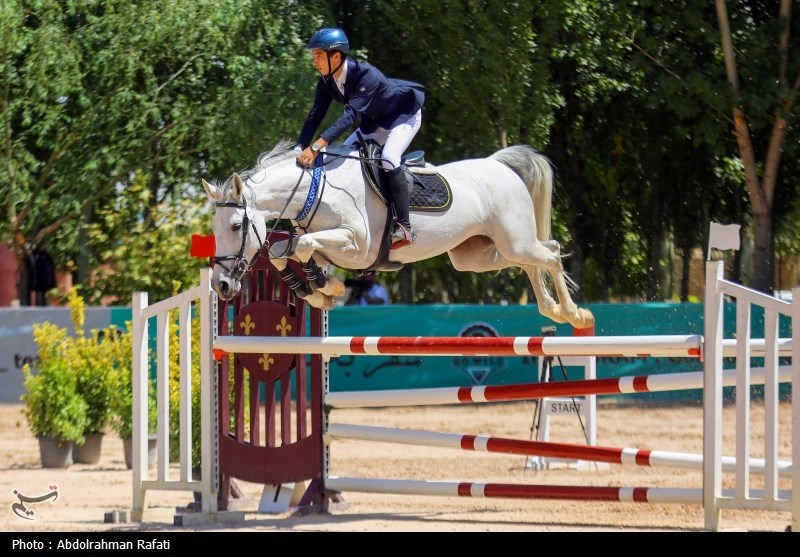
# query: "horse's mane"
[[283, 151]]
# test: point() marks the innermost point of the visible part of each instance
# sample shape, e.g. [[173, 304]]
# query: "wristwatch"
[[315, 148]]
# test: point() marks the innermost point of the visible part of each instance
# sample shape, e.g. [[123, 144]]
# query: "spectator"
[[366, 291]]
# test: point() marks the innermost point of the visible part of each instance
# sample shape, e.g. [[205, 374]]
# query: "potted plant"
[[55, 410], [95, 383], [94, 361]]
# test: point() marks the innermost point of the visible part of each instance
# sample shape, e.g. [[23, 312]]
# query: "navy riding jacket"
[[379, 101]]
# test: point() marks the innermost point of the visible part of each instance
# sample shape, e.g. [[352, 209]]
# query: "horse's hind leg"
[[546, 256], [548, 307], [579, 317], [479, 254], [566, 310]]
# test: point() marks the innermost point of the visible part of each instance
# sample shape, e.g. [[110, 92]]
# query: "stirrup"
[[401, 237]]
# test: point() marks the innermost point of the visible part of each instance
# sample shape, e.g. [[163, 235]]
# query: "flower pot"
[[89, 452], [55, 453], [127, 445]]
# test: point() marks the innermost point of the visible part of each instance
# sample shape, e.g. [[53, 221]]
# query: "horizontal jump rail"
[[686, 346], [508, 393], [594, 453], [525, 491], [676, 346], [757, 347]]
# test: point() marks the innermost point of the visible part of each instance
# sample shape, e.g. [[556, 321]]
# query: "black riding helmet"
[[330, 39]]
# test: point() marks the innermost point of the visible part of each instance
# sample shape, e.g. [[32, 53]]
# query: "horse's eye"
[[237, 227]]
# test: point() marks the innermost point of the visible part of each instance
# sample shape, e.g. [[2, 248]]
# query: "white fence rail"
[[742, 496], [711, 348], [203, 300]]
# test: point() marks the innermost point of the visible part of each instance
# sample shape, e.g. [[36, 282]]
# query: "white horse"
[[499, 217]]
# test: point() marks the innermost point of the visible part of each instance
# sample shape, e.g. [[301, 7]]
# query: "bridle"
[[240, 264]]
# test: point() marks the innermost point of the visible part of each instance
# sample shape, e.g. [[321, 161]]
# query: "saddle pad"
[[431, 192]]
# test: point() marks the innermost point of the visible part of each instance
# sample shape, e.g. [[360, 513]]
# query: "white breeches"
[[394, 141]]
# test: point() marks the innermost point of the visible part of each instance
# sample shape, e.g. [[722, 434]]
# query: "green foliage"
[[100, 360], [93, 96], [150, 255], [120, 349], [87, 374], [53, 406], [486, 79], [96, 379]]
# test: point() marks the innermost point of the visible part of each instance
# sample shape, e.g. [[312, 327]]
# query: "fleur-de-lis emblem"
[[248, 324], [283, 328], [266, 360]]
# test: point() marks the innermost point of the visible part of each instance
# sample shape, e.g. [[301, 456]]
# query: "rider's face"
[[320, 60]]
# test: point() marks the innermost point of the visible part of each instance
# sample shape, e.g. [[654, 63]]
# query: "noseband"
[[240, 264]]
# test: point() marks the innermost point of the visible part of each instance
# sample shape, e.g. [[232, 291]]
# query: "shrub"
[[97, 359], [53, 405], [79, 381]]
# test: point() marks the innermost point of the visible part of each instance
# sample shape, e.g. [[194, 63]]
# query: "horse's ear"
[[213, 193], [238, 187]]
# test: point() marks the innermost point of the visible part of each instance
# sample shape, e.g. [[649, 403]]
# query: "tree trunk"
[[23, 292], [763, 251], [760, 188], [686, 260]]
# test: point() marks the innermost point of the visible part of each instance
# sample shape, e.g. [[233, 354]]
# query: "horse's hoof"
[[554, 313], [328, 303], [337, 288], [585, 319], [321, 301]]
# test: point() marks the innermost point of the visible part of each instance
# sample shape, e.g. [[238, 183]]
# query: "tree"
[[757, 133], [476, 102], [95, 94]]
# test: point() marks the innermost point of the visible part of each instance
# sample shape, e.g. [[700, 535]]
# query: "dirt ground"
[[88, 492]]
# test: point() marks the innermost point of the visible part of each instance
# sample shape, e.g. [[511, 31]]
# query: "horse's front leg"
[[301, 289], [318, 289], [321, 282], [308, 244]]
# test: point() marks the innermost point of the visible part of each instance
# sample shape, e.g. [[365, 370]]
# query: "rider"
[[390, 111]]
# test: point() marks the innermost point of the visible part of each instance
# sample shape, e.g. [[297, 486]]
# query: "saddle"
[[428, 191]]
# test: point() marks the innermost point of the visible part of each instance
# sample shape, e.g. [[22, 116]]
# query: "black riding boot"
[[402, 235]]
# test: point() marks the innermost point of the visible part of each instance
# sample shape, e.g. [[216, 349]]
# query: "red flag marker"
[[203, 246]]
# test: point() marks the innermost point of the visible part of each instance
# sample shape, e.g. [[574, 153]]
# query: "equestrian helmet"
[[329, 39]]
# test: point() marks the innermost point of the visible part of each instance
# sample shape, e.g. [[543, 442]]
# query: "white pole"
[[712, 395]]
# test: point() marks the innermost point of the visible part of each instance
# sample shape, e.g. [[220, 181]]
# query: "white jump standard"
[[710, 348]]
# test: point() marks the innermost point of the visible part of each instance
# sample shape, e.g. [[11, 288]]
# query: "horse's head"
[[239, 232]]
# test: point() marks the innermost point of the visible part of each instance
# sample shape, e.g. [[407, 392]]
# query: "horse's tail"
[[537, 174]]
